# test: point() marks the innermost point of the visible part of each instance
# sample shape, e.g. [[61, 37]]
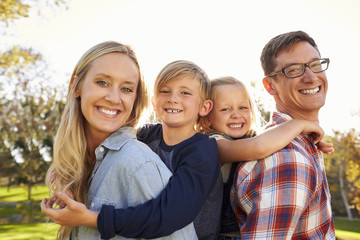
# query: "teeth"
[[236, 125], [172, 111], [106, 111], [310, 91]]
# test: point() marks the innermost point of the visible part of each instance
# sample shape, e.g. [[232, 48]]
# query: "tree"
[[343, 171]]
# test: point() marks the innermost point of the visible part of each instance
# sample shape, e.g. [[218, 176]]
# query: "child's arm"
[[268, 142]]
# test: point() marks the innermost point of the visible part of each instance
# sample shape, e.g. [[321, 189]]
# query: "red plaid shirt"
[[286, 195]]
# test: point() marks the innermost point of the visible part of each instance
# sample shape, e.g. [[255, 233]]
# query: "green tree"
[[343, 171]]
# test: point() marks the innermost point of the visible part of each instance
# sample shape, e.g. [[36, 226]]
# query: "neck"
[[173, 136], [305, 115]]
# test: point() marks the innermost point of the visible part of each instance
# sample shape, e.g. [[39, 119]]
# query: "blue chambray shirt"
[[127, 173]]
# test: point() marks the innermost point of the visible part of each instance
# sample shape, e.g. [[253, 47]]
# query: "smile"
[[173, 110], [236, 125], [107, 111], [310, 91]]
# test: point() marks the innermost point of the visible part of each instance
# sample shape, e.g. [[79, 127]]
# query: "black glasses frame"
[[326, 60]]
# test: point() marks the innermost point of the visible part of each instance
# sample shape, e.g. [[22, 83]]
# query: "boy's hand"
[[325, 147], [71, 213]]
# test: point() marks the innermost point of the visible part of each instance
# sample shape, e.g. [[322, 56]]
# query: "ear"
[[268, 83], [206, 108], [152, 99], [74, 80]]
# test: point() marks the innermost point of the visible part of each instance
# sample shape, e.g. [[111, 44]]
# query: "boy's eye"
[[102, 82], [225, 109]]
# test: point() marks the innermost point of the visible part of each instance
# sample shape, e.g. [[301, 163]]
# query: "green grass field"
[[345, 230]]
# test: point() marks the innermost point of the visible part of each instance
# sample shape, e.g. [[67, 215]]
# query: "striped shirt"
[[286, 195]]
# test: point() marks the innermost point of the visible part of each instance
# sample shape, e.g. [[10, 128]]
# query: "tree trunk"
[[343, 192]]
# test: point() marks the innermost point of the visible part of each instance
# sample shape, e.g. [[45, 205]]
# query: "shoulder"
[[133, 155]]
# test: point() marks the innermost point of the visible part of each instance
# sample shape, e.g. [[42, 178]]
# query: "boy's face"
[[178, 102]]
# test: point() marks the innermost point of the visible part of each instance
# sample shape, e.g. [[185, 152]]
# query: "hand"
[[325, 147], [72, 214], [57, 201], [313, 131]]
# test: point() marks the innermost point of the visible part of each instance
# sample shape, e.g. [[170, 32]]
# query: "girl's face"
[[107, 94], [231, 114]]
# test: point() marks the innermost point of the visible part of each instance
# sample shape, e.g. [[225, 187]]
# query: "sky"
[[225, 38]]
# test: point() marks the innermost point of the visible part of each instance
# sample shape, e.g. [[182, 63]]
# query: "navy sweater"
[[195, 166]]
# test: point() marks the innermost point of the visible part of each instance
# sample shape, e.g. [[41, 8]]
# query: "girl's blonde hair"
[[215, 84], [183, 68], [71, 167]]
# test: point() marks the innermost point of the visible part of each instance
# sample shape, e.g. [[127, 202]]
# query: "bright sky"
[[225, 38]]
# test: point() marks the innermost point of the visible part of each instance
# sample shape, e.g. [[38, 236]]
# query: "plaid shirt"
[[284, 196]]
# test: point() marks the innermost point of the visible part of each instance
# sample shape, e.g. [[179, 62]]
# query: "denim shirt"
[[127, 173]]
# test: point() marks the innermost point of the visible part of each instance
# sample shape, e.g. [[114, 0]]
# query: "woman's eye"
[[126, 89], [102, 82]]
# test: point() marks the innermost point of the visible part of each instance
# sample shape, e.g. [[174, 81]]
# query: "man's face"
[[300, 97]]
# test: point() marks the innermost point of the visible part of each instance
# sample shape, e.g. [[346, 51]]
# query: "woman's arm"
[[268, 142]]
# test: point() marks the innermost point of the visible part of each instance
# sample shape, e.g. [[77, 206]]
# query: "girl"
[[96, 155]]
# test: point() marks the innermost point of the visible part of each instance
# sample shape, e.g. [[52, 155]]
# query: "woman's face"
[[107, 94]]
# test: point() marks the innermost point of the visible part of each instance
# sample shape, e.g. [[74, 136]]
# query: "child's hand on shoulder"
[[325, 147]]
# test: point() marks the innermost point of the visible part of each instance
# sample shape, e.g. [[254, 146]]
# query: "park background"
[[41, 41]]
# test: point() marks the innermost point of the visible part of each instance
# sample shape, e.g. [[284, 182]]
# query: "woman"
[[96, 155]]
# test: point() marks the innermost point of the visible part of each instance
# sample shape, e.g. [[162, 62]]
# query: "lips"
[[238, 125], [172, 110], [109, 112], [310, 91]]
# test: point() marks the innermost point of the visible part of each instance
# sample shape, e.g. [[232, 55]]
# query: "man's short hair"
[[277, 44]]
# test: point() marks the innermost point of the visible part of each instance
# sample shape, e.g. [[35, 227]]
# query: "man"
[[286, 195]]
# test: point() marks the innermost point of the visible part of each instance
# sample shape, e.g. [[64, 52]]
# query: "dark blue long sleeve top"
[[195, 168]]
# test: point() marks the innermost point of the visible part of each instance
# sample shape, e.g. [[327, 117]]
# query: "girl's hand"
[[325, 147], [312, 130]]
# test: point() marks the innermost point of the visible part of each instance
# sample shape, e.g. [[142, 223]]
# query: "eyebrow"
[[110, 77]]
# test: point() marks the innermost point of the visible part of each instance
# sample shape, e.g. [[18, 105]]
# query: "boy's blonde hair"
[[215, 84], [71, 168], [183, 68]]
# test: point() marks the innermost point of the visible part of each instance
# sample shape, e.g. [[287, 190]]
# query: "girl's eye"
[[164, 91], [102, 82], [185, 93], [244, 108]]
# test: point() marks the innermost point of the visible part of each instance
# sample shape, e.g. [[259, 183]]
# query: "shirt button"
[[101, 149], [92, 204]]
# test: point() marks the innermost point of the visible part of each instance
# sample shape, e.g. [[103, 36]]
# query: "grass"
[[18, 194], [346, 229], [33, 231]]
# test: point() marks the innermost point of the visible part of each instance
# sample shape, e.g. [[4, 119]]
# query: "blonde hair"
[[183, 68], [215, 84], [71, 167]]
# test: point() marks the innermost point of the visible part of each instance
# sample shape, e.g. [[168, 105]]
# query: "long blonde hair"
[[215, 84], [71, 168]]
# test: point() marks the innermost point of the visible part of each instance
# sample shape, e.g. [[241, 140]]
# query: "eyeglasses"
[[298, 69]]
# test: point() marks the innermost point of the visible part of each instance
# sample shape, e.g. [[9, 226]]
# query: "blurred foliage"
[[343, 172], [11, 10]]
